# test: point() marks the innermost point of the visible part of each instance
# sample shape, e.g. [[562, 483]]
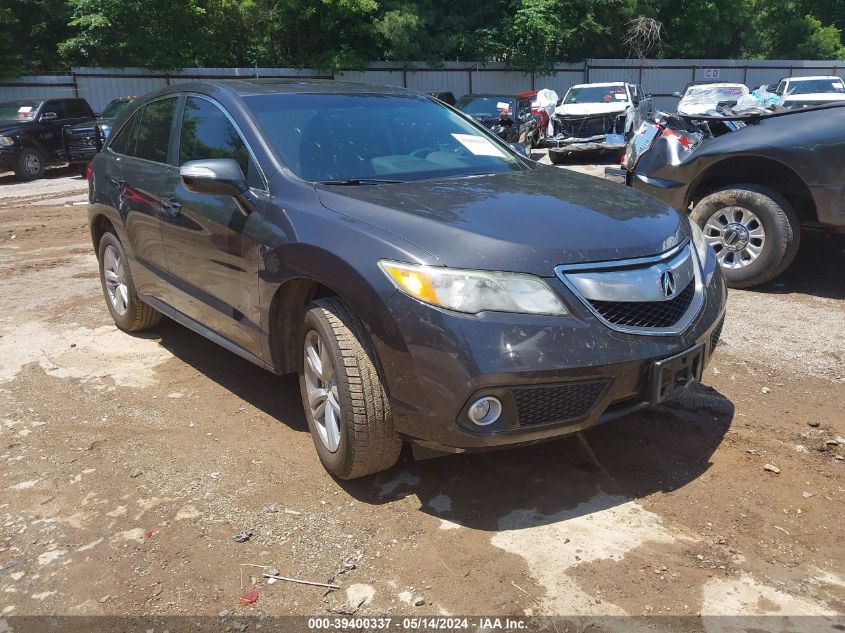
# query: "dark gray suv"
[[428, 283]]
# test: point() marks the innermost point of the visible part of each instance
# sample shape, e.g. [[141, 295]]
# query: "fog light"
[[485, 411]]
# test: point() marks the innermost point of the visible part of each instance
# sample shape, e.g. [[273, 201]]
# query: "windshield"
[[595, 94], [114, 108], [713, 94], [485, 106], [20, 110], [810, 86], [339, 137]]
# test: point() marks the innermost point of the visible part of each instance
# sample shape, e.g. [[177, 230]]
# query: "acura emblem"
[[667, 283]]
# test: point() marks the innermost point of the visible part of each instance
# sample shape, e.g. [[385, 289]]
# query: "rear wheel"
[[128, 311], [753, 230], [30, 164], [343, 393]]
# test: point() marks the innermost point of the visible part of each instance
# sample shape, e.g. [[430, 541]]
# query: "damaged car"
[[428, 283], [701, 97], [598, 116], [509, 117], [806, 92], [753, 184]]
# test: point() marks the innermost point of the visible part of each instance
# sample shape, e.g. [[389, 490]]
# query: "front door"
[[211, 245]]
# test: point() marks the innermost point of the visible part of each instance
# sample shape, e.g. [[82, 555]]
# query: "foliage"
[[50, 35]]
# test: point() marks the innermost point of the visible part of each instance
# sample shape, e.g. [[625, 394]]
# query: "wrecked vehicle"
[[700, 97], [754, 187], [600, 116], [508, 116], [428, 283], [806, 92]]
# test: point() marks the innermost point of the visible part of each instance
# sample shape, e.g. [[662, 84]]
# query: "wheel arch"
[[101, 224], [758, 170]]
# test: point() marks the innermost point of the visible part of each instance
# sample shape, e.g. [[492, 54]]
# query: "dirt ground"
[[128, 463]]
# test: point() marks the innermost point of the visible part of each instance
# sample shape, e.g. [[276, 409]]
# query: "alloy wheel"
[[115, 278], [321, 389], [736, 235]]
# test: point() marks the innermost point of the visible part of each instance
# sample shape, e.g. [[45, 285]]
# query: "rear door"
[[211, 245], [136, 167]]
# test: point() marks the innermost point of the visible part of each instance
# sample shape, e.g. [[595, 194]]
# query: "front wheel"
[[344, 394], [30, 164], [753, 230]]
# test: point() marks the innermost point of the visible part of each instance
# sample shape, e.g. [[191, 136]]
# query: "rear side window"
[[124, 141], [153, 135], [208, 133], [77, 109]]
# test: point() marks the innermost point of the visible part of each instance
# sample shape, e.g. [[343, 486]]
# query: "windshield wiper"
[[358, 181]]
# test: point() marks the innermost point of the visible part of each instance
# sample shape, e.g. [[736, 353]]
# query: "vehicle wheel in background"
[[557, 158], [753, 230], [30, 164], [343, 393], [128, 311]]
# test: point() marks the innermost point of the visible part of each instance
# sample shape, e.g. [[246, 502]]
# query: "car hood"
[[703, 108], [8, 126], [582, 109], [527, 221]]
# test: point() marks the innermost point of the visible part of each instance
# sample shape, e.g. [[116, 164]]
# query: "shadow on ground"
[[51, 173], [816, 270]]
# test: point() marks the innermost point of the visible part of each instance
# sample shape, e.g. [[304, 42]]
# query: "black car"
[[507, 116], [753, 184], [446, 97], [31, 133], [427, 282], [83, 140]]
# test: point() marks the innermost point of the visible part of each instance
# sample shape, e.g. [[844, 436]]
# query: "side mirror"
[[49, 116], [220, 176], [519, 148]]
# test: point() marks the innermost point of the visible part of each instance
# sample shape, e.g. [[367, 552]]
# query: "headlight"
[[6, 141], [699, 241], [474, 291]]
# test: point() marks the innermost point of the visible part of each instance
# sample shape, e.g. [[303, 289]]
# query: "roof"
[[813, 77], [605, 84]]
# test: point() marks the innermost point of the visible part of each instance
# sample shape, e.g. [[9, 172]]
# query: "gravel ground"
[[128, 463]]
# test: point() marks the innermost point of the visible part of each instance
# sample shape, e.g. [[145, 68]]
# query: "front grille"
[[714, 336], [582, 127], [647, 314], [558, 403], [82, 140]]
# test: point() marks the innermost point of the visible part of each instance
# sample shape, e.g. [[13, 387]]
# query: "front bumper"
[[554, 375], [567, 145], [9, 157]]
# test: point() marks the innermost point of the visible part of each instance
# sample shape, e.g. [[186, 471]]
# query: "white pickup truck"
[[599, 116]]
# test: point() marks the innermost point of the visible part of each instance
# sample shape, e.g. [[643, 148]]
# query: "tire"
[[557, 158], [137, 315], [781, 231], [366, 442], [30, 165]]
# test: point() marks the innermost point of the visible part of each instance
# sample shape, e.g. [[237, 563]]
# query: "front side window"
[[56, 108], [154, 130], [340, 137]]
